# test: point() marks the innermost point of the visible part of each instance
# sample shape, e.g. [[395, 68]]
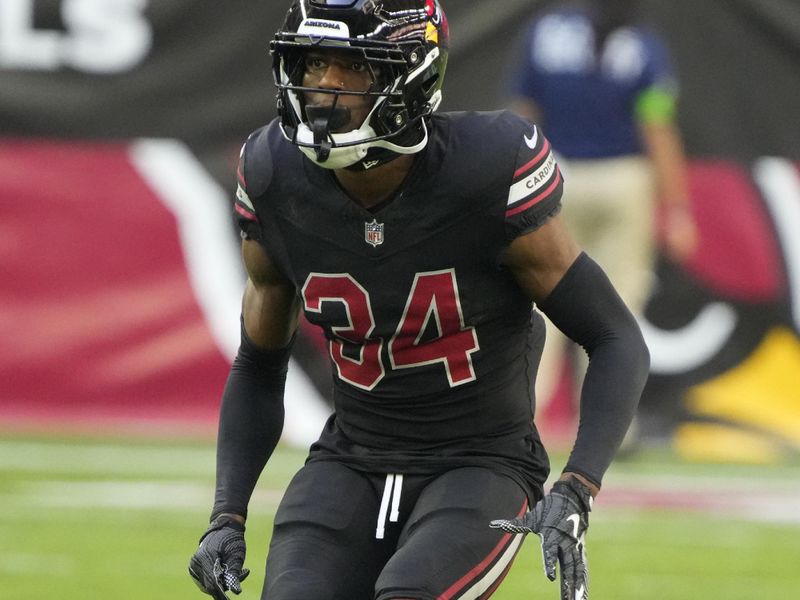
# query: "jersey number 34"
[[432, 301]]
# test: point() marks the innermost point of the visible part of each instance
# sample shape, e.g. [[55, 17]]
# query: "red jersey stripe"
[[523, 170], [247, 214], [536, 199]]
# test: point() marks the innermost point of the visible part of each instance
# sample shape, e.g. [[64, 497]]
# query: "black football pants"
[[345, 535]]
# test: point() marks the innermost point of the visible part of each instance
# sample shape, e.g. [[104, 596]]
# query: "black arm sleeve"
[[586, 307], [250, 423]]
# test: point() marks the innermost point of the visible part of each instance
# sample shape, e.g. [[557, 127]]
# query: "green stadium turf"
[[87, 518]]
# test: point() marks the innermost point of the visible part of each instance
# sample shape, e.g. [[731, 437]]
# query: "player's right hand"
[[216, 566]]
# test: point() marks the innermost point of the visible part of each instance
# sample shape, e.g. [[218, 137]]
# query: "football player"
[[418, 241]]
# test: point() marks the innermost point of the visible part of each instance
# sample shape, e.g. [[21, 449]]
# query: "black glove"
[[561, 520], [216, 566]]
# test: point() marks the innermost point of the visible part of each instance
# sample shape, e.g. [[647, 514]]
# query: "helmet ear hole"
[[429, 84]]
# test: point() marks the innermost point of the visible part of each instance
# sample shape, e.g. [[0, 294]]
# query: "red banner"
[[99, 318]]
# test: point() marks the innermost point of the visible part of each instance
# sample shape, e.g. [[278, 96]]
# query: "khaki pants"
[[608, 207]]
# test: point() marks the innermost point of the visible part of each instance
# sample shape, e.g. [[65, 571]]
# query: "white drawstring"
[[396, 482], [398, 489]]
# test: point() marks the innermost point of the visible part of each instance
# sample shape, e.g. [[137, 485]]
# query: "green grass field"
[[83, 518]]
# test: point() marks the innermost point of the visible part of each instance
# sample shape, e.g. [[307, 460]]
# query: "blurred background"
[[120, 286]]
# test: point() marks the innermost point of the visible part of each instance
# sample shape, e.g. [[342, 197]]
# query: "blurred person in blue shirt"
[[602, 87]]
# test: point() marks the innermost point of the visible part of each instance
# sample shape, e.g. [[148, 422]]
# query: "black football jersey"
[[429, 335]]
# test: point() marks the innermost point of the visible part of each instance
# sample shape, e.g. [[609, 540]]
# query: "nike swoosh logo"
[[580, 593], [531, 141], [575, 522]]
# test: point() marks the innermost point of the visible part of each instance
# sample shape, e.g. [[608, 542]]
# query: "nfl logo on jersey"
[[373, 233]]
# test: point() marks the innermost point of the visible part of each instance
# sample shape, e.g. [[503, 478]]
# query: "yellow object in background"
[[761, 394]]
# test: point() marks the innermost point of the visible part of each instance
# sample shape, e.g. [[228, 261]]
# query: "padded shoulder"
[[254, 176], [256, 159]]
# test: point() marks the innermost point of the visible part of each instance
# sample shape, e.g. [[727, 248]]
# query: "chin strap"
[[324, 120], [322, 142]]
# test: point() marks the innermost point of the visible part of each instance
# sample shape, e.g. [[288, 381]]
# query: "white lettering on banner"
[[102, 36]]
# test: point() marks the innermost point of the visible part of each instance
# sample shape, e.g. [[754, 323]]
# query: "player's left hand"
[[216, 566], [561, 520]]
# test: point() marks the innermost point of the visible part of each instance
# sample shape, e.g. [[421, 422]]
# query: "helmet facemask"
[[405, 90]]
